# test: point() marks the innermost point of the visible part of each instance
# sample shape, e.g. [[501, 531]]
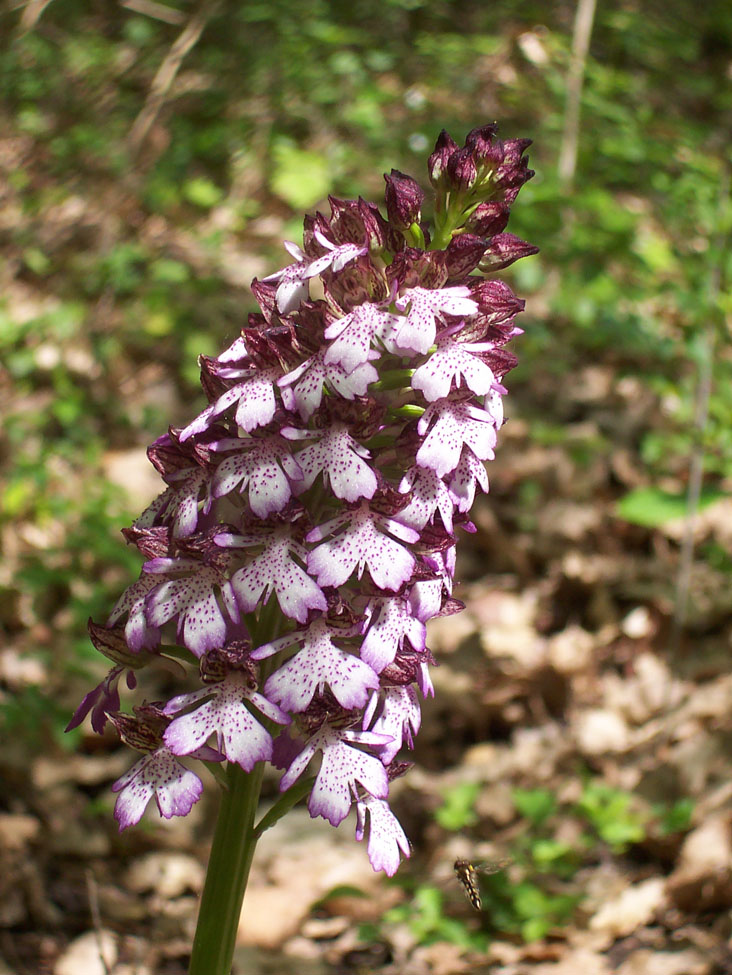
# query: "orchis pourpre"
[[307, 530]]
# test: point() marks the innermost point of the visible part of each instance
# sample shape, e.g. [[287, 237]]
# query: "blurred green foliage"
[[458, 810], [652, 507]]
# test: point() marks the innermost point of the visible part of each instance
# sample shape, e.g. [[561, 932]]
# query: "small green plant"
[[651, 507], [538, 912], [539, 847], [613, 815], [518, 901], [675, 818], [458, 809], [424, 915], [536, 805]]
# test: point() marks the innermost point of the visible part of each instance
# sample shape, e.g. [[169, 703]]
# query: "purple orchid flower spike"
[[308, 527]]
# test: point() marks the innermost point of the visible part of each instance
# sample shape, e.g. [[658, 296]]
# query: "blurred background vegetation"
[[154, 155]]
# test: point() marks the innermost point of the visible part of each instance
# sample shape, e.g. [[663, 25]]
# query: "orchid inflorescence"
[[342, 447]]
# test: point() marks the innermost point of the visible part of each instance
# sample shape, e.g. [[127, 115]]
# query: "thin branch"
[[31, 15], [167, 71], [701, 410], [92, 892], [570, 137], [158, 11]]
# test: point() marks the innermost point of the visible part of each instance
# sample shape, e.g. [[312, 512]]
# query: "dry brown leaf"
[[600, 731], [167, 874], [94, 953], [648, 962], [703, 878], [633, 908], [583, 961]]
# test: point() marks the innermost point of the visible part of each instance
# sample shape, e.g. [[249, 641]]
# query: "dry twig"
[[31, 15], [93, 894], [570, 136], [701, 411], [158, 11], [167, 71]]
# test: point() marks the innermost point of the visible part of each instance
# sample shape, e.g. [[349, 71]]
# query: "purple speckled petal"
[[317, 664], [274, 568], [257, 403], [400, 718], [341, 768], [281, 643], [193, 601], [425, 597], [362, 545], [454, 424], [311, 376], [158, 774], [391, 620], [341, 460], [181, 701], [386, 836], [425, 681], [259, 466], [178, 503], [190, 731], [300, 762], [240, 736], [463, 480], [429, 494], [423, 306], [292, 287], [448, 363], [139, 633], [255, 399], [355, 334]]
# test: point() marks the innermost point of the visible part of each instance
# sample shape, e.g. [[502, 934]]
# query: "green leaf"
[[677, 818], [613, 814], [536, 805], [458, 809], [299, 177], [651, 507], [202, 193], [547, 852], [36, 261], [168, 271]]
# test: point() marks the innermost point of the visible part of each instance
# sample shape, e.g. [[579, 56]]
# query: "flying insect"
[[467, 873]]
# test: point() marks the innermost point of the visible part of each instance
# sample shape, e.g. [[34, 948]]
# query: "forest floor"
[[573, 737]]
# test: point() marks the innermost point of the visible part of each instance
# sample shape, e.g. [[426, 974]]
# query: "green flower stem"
[[235, 839], [284, 804], [441, 239], [416, 236], [231, 857], [409, 411], [448, 221], [393, 379]]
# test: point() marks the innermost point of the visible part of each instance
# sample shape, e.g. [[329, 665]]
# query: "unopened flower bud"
[[488, 219], [437, 162], [462, 255], [404, 198], [503, 250], [486, 150], [462, 171]]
